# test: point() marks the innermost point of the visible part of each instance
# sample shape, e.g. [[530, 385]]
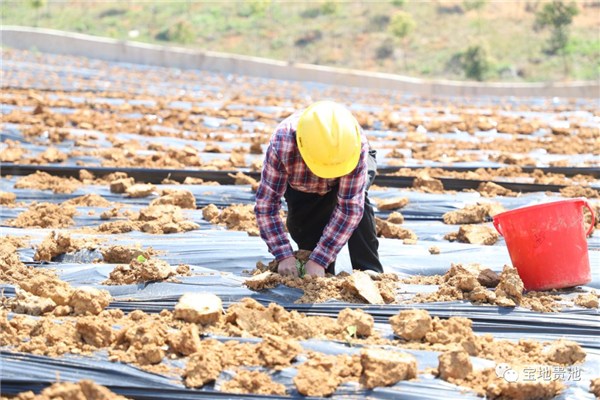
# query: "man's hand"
[[314, 269], [287, 267]]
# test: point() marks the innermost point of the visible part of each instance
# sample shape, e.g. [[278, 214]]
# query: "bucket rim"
[[538, 206]]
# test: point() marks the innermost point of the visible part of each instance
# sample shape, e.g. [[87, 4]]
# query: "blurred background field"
[[520, 40]]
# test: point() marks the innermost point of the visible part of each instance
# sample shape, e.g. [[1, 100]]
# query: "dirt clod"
[[44, 215], [588, 300], [454, 364], [186, 341], [88, 200], [391, 230], [89, 300], [509, 291], [199, 308], [474, 234], [472, 214], [177, 197], [392, 204], [138, 271], [253, 382], [121, 185], [565, 352], [321, 375], [44, 181], [385, 368], [363, 322], [140, 190], [7, 198], [83, 390], [411, 324]]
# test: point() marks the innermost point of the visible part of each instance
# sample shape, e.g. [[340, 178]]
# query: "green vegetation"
[[557, 16], [424, 39], [401, 26], [475, 62], [350, 334]]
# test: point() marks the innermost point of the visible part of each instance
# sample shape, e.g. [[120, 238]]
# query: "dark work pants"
[[309, 213]]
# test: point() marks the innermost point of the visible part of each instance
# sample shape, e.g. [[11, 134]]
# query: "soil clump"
[[177, 197], [118, 254], [392, 230], [472, 282], [473, 214], [156, 219], [44, 215], [7, 198], [318, 290], [83, 390], [474, 234], [392, 204], [321, 374], [44, 181], [588, 300], [237, 217], [253, 382], [88, 200], [57, 243], [141, 269]]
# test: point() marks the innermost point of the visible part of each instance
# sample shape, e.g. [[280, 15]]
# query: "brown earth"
[[595, 387], [253, 382], [474, 234], [44, 283], [237, 217], [7, 198], [392, 230], [142, 339], [156, 219], [392, 204], [473, 214], [143, 269], [487, 383], [385, 368], [491, 189], [319, 290], [470, 282], [44, 181], [177, 197], [44, 215], [454, 364], [243, 179], [83, 390], [139, 190], [88, 200], [117, 254], [321, 374], [588, 300], [16, 241], [57, 243]]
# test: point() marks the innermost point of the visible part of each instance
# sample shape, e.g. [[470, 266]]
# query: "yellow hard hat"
[[328, 137]]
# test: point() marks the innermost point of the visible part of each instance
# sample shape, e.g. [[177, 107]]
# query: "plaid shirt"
[[283, 165]]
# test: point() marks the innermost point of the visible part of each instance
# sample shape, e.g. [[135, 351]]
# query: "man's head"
[[328, 137]]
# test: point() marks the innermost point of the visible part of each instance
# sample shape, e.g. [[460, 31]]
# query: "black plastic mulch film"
[[209, 250]]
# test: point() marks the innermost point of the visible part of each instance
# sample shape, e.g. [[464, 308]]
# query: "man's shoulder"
[[285, 132]]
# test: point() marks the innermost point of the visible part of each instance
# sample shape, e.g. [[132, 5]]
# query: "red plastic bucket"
[[547, 243]]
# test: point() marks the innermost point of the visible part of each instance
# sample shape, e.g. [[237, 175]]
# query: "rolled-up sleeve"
[[273, 184], [346, 215]]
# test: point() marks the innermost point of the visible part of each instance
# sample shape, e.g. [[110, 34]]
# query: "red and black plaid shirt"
[[283, 165]]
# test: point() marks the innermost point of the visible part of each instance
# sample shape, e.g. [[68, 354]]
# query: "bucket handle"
[[587, 205]]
